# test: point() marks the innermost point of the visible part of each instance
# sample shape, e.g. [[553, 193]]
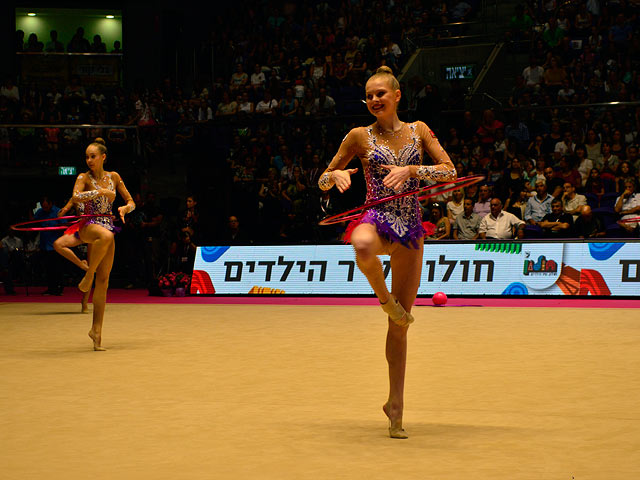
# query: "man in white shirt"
[[500, 224], [572, 202], [564, 147], [533, 74]]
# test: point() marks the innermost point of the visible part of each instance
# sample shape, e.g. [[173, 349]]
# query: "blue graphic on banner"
[[211, 254], [516, 288], [604, 251]]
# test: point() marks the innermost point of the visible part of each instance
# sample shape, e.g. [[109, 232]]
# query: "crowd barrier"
[[487, 268]]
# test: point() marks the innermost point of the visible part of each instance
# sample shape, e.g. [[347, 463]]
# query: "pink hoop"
[[69, 220], [426, 192], [630, 220]]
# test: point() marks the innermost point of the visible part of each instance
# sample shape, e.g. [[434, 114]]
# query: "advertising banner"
[[495, 269]]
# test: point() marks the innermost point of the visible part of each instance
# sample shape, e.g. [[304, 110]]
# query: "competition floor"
[[294, 391]]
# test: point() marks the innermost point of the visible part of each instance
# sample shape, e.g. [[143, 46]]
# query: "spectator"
[[539, 205], [628, 205], [98, 46], [440, 221], [258, 80], [552, 34], [78, 43], [54, 45], [568, 173], [572, 202], [488, 126], [588, 225], [556, 224], [11, 260], [116, 47], [238, 79], [517, 203], [467, 223], [564, 147], [584, 164], [533, 74], [482, 206], [456, 205], [324, 104], [233, 234], [33, 44], [226, 106], [11, 92], [268, 105], [52, 261], [499, 224]]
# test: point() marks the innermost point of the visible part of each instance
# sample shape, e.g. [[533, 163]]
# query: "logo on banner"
[[541, 267]]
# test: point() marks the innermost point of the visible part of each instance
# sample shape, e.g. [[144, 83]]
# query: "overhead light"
[[31, 14], [111, 16]]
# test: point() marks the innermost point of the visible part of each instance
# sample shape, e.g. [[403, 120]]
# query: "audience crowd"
[[558, 163]]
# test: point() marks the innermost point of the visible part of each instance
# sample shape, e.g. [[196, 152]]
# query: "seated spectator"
[[588, 225], [608, 164], [533, 74], [628, 205], [554, 182], [482, 206], [440, 221], [324, 104], [456, 205], [233, 234], [238, 79], [467, 223], [539, 205], [488, 126], [500, 224], [268, 105], [116, 47], [517, 203], [584, 164], [11, 92], [625, 172], [288, 104], [568, 172], [572, 202], [245, 105], [182, 253], [520, 25], [226, 106], [565, 147], [258, 79], [556, 224]]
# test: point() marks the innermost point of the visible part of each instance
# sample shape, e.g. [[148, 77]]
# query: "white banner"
[[500, 268]]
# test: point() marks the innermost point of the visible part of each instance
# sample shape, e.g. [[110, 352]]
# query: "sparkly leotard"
[[398, 220], [100, 204]]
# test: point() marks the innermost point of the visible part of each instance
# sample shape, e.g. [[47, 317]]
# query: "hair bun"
[[384, 69], [99, 140]]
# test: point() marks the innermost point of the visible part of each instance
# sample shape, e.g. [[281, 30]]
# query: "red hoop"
[[426, 192], [630, 220], [68, 221]]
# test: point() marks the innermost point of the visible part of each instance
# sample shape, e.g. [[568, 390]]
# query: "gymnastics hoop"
[[630, 220], [69, 220], [424, 192]]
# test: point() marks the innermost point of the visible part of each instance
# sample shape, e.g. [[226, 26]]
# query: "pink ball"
[[439, 299]]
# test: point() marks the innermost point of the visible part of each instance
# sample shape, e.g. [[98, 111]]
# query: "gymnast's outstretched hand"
[[342, 178]]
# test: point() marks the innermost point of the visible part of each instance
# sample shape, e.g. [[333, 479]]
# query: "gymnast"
[[96, 189], [391, 153], [67, 241]]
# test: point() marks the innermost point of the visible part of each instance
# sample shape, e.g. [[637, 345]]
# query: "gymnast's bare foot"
[[86, 282], [96, 341], [84, 307], [395, 421], [85, 265]]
